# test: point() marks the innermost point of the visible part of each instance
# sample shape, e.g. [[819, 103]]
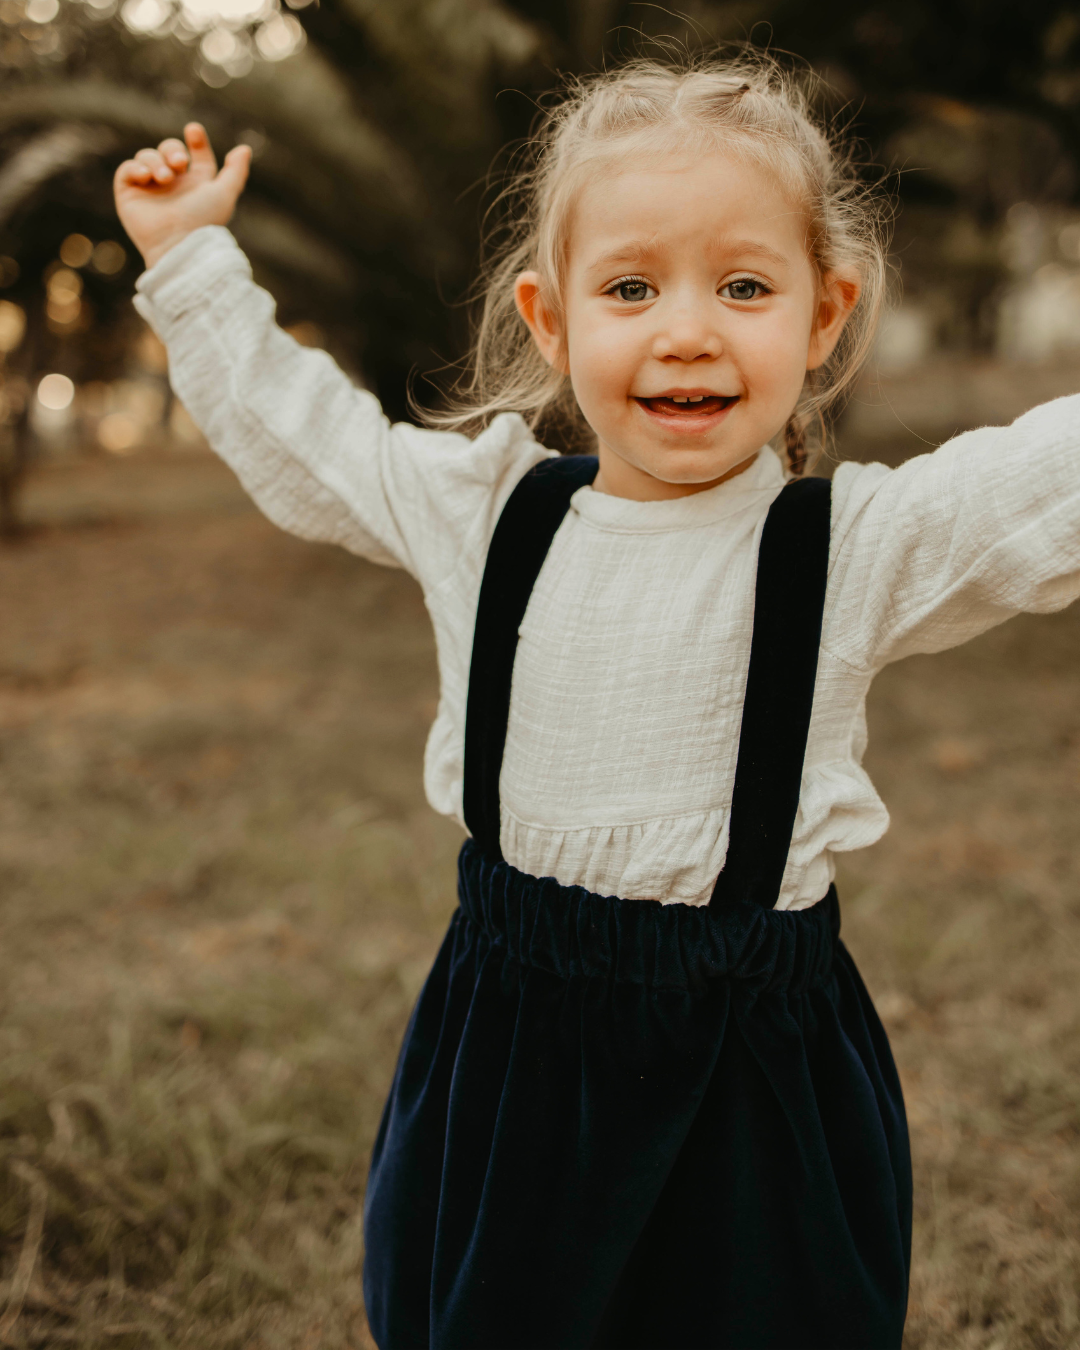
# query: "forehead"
[[679, 202]]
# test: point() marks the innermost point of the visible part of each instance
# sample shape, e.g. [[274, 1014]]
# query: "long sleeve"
[[314, 450], [930, 554], [627, 696]]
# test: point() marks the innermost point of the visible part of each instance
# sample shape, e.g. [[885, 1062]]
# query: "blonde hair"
[[748, 104]]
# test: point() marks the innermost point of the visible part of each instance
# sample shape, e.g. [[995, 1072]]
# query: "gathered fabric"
[[568, 932], [620, 1125]]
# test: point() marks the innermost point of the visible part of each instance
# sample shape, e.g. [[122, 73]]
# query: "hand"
[[163, 195]]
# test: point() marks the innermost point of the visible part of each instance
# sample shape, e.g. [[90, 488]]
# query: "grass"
[[966, 921], [222, 889]]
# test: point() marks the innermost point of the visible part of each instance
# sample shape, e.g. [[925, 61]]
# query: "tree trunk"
[[14, 460]]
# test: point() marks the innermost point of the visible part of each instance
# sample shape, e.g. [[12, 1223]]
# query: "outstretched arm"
[[928, 555], [315, 451]]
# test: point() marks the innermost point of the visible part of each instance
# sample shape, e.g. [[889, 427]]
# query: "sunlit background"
[[221, 884], [375, 122]]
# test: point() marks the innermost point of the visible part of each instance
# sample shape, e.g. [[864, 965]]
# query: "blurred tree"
[[365, 138], [977, 105], [375, 123]]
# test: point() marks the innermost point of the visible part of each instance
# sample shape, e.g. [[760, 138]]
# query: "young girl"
[[644, 1099]]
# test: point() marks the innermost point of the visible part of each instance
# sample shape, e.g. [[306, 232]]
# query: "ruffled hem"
[[650, 860], [676, 860]]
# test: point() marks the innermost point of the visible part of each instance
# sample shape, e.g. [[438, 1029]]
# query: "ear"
[[838, 296], [543, 325]]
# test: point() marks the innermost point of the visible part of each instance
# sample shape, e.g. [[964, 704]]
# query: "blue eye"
[[745, 288], [633, 290]]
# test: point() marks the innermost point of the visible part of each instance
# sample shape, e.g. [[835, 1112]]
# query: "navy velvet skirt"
[[621, 1124]]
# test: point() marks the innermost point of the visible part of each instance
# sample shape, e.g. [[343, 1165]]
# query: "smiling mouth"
[[701, 405]]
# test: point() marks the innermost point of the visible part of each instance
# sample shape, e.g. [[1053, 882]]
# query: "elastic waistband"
[[569, 931]]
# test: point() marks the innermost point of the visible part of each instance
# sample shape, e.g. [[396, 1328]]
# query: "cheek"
[[774, 355], [603, 357]]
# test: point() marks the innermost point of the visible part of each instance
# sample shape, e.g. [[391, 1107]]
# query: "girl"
[[644, 1099]]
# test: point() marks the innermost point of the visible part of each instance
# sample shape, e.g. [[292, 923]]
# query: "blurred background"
[[221, 884], [376, 125]]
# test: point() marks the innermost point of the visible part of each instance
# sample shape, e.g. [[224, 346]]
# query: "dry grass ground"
[[222, 888]]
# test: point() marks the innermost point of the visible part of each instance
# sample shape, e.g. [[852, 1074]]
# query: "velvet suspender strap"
[[789, 601], [522, 537]]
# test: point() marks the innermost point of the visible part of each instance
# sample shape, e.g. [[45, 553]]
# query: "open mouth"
[[687, 406]]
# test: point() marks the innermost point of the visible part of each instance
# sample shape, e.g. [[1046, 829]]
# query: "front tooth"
[[697, 399], [676, 399]]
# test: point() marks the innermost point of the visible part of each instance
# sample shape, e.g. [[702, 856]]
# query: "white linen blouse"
[[629, 678]]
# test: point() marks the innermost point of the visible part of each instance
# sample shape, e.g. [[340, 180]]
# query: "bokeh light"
[[146, 16], [234, 32], [203, 14], [76, 250], [279, 37], [219, 45], [63, 306], [55, 392], [118, 432], [12, 326], [42, 11], [109, 257]]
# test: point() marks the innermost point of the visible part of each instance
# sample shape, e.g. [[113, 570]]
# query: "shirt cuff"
[[189, 275]]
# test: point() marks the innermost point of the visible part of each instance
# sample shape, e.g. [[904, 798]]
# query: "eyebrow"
[[636, 249], [755, 249], [632, 250]]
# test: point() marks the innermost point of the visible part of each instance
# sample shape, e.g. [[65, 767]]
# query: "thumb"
[[233, 173]]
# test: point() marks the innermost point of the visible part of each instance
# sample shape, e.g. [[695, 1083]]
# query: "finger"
[[158, 168], [198, 142], [134, 173], [174, 153], [234, 172]]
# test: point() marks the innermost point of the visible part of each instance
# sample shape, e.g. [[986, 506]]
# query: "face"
[[691, 314]]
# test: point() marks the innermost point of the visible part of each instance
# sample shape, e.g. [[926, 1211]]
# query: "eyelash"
[[626, 281], [762, 289]]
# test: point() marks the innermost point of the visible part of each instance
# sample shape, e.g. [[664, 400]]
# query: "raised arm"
[[314, 451], [930, 554]]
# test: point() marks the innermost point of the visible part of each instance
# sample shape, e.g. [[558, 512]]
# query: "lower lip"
[[688, 423]]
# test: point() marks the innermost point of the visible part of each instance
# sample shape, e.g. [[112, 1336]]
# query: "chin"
[[684, 469]]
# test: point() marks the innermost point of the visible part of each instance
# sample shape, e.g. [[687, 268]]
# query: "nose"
[[688, 332]]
